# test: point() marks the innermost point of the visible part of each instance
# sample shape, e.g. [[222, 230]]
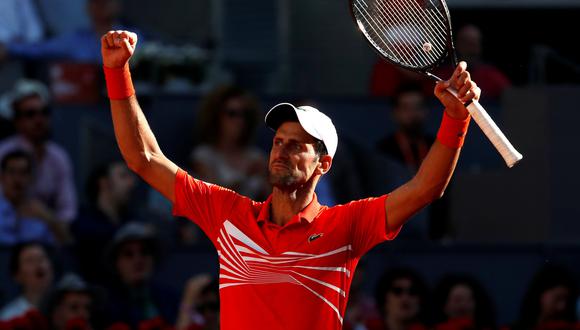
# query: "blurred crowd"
[[117, 240]]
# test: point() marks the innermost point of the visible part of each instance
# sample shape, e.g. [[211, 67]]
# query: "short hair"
[[320, 148], [16, 251], [16, 154]]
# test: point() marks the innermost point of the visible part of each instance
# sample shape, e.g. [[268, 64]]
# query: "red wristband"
[[452, 131], [119, 84]]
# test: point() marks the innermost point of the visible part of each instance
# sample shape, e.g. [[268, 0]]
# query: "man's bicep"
[[160, 174], [403, 203]]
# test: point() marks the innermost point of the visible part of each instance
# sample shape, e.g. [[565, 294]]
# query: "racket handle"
[[510, 155], [494, 134]]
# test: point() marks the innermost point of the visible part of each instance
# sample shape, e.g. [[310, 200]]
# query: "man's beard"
[[283, 181]]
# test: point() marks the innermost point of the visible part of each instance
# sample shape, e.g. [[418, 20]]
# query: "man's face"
[[34, 269], [469, 42], [120, 183], [410, 112], [554, 303], [402, 300], [16, 179], [460, 302], [31, 118], [134, 263], [74, 305], [293, 158]]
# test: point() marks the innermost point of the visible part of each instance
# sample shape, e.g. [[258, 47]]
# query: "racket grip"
[[510, 155]]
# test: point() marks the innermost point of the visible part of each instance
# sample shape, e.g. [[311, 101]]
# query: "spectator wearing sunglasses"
[[227, 123], [53, 181], [401, 298]]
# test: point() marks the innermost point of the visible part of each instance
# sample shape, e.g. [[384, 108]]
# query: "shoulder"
[[14, 308], [9, 144], [355, 207], [57, 151]]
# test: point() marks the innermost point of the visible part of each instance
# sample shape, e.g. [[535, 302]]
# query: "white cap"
[[313, 121]]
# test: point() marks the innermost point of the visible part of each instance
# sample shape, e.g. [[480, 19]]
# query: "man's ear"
[[325, 162]]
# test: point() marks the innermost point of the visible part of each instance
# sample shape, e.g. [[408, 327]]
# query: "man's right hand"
[[117, 47]]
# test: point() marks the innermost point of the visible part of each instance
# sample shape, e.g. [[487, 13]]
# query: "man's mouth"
[[279, 164]]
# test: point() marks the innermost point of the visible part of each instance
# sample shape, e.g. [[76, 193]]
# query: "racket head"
[[413, 34]]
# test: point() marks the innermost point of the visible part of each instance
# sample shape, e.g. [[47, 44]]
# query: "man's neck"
[[33, 296], [286, 204]]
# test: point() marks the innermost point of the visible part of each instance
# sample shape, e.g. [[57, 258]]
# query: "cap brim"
[[279, 114]]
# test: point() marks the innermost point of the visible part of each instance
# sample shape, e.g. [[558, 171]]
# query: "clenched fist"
[[117, 47], [465, 88]]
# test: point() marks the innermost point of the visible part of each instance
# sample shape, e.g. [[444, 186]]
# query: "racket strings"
[[409, 15], [409, 35], [406, 33], [417, 36], [396, 52], [425, 16], [396, 34]]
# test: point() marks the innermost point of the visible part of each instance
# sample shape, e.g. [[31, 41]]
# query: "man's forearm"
[[436, 171], [134, 136]]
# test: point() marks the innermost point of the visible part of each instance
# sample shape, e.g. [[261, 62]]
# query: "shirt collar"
[[306, 215]]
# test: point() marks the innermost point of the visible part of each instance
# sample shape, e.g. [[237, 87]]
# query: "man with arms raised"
[[286, 263]]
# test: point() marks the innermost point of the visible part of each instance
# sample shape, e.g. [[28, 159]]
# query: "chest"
[[300, 246]]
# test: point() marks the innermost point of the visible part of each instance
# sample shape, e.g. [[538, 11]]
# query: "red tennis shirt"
[[295, 276]]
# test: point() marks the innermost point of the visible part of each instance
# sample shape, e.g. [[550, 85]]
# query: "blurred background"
[[500, 249]]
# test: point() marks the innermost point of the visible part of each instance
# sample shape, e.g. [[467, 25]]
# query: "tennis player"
[[288, 262]]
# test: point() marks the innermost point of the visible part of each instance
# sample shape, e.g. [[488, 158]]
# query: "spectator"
[[462, 304], [20, 22], [133, 296], [53, 180], [24, 218], [71, 305], [109, 190], [200, 304], [361, 307], [409, 145], [32, 269], [82, 45], [550, 301], [401, 297], [470, 49], [387, 79], [228, 120]]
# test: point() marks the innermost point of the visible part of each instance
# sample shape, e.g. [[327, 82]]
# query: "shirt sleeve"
[[368, 224], [203, 203]]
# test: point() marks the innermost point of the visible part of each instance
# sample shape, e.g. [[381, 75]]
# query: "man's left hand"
[[466, 88]]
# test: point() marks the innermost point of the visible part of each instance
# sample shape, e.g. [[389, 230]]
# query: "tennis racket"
[[416, 35]]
